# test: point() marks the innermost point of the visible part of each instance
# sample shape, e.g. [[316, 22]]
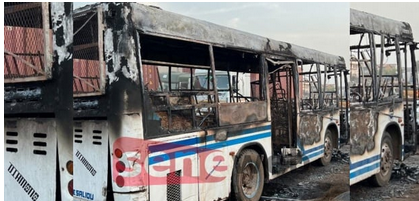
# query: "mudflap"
[[30, 159], [90, 149]]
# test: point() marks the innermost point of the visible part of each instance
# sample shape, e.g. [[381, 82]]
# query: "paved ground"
[[403, 186], [312, 182]]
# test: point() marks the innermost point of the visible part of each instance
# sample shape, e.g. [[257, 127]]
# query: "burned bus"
[[382, 116], [38, 162], [149, 123]]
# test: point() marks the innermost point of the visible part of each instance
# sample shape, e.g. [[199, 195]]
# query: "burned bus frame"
[[135, 36], [378, 102], [38, 101]]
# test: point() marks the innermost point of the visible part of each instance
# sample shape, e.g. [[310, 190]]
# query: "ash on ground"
[[403, 185], [409, 173], [312, 182]]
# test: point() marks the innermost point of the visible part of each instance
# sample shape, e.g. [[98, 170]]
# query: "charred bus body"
[[137, 136], [38, 100], [382, 116]]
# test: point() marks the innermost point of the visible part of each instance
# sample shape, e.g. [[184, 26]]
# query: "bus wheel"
[[248, 176], [328, 149], [386, 164]]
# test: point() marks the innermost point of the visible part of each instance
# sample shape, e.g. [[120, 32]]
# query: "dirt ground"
[[313, 182], [403, 186]]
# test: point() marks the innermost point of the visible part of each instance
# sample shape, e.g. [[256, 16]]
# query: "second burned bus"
[[382, 114], [137, 140]]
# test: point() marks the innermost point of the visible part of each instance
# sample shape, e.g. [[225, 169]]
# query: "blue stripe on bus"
[[193, 141], [365, 161], [308, 154], [242, 132], [313, 149], [311, 153], [218, 145], [194, 150], [402, 150], [172, 145], [364, 170]]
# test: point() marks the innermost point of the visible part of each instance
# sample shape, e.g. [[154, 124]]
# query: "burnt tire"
[[248, 176], [328, 149], [386, 162]]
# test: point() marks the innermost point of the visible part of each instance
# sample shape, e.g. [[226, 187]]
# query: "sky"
[[320, 26]]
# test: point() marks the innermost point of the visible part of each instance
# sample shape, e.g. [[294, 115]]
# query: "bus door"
[[35, 138], [283, 110], [410, 95], [90, 149]]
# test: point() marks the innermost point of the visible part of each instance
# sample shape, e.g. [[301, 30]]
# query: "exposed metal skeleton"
[[374, 90]]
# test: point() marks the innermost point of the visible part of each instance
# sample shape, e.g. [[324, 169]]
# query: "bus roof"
[[362, 22], [155, 21]]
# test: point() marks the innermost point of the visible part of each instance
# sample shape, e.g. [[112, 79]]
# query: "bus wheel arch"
[[330, 142], [386, 161], [250, 158], [335, 134], [390, 149], [395, 133], [262, 153]]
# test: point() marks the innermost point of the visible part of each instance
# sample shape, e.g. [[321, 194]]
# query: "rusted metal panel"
[[158, 22], [367, 22], [310, 127], [28, 47], [238, 113], [24, 97], [89, 76], [151, 77], [89, 65]]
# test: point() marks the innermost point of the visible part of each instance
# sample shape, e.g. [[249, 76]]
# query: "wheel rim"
[[250, 180], [327, 148], [386, 159]]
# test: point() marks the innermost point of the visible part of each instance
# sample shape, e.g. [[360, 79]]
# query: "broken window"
[[241, 86], [176, 75], [319, 85], [375, 72], [88, 65], [27, 42], [182, 89]]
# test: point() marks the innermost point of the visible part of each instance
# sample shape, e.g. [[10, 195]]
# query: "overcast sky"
[[320, 26]]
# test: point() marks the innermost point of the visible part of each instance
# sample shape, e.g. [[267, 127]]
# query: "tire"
[[248, 176], [328, 149], [386, 164]]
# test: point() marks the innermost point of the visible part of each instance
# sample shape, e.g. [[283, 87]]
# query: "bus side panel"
[[311, 137], [90, 160], [33, 179], [127, 154], [315, 151], [173, 168], [311, 140], [367, 129], [219, 157], [365, 159]]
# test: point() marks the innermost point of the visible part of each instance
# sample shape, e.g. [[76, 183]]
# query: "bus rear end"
[[37, 72]]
